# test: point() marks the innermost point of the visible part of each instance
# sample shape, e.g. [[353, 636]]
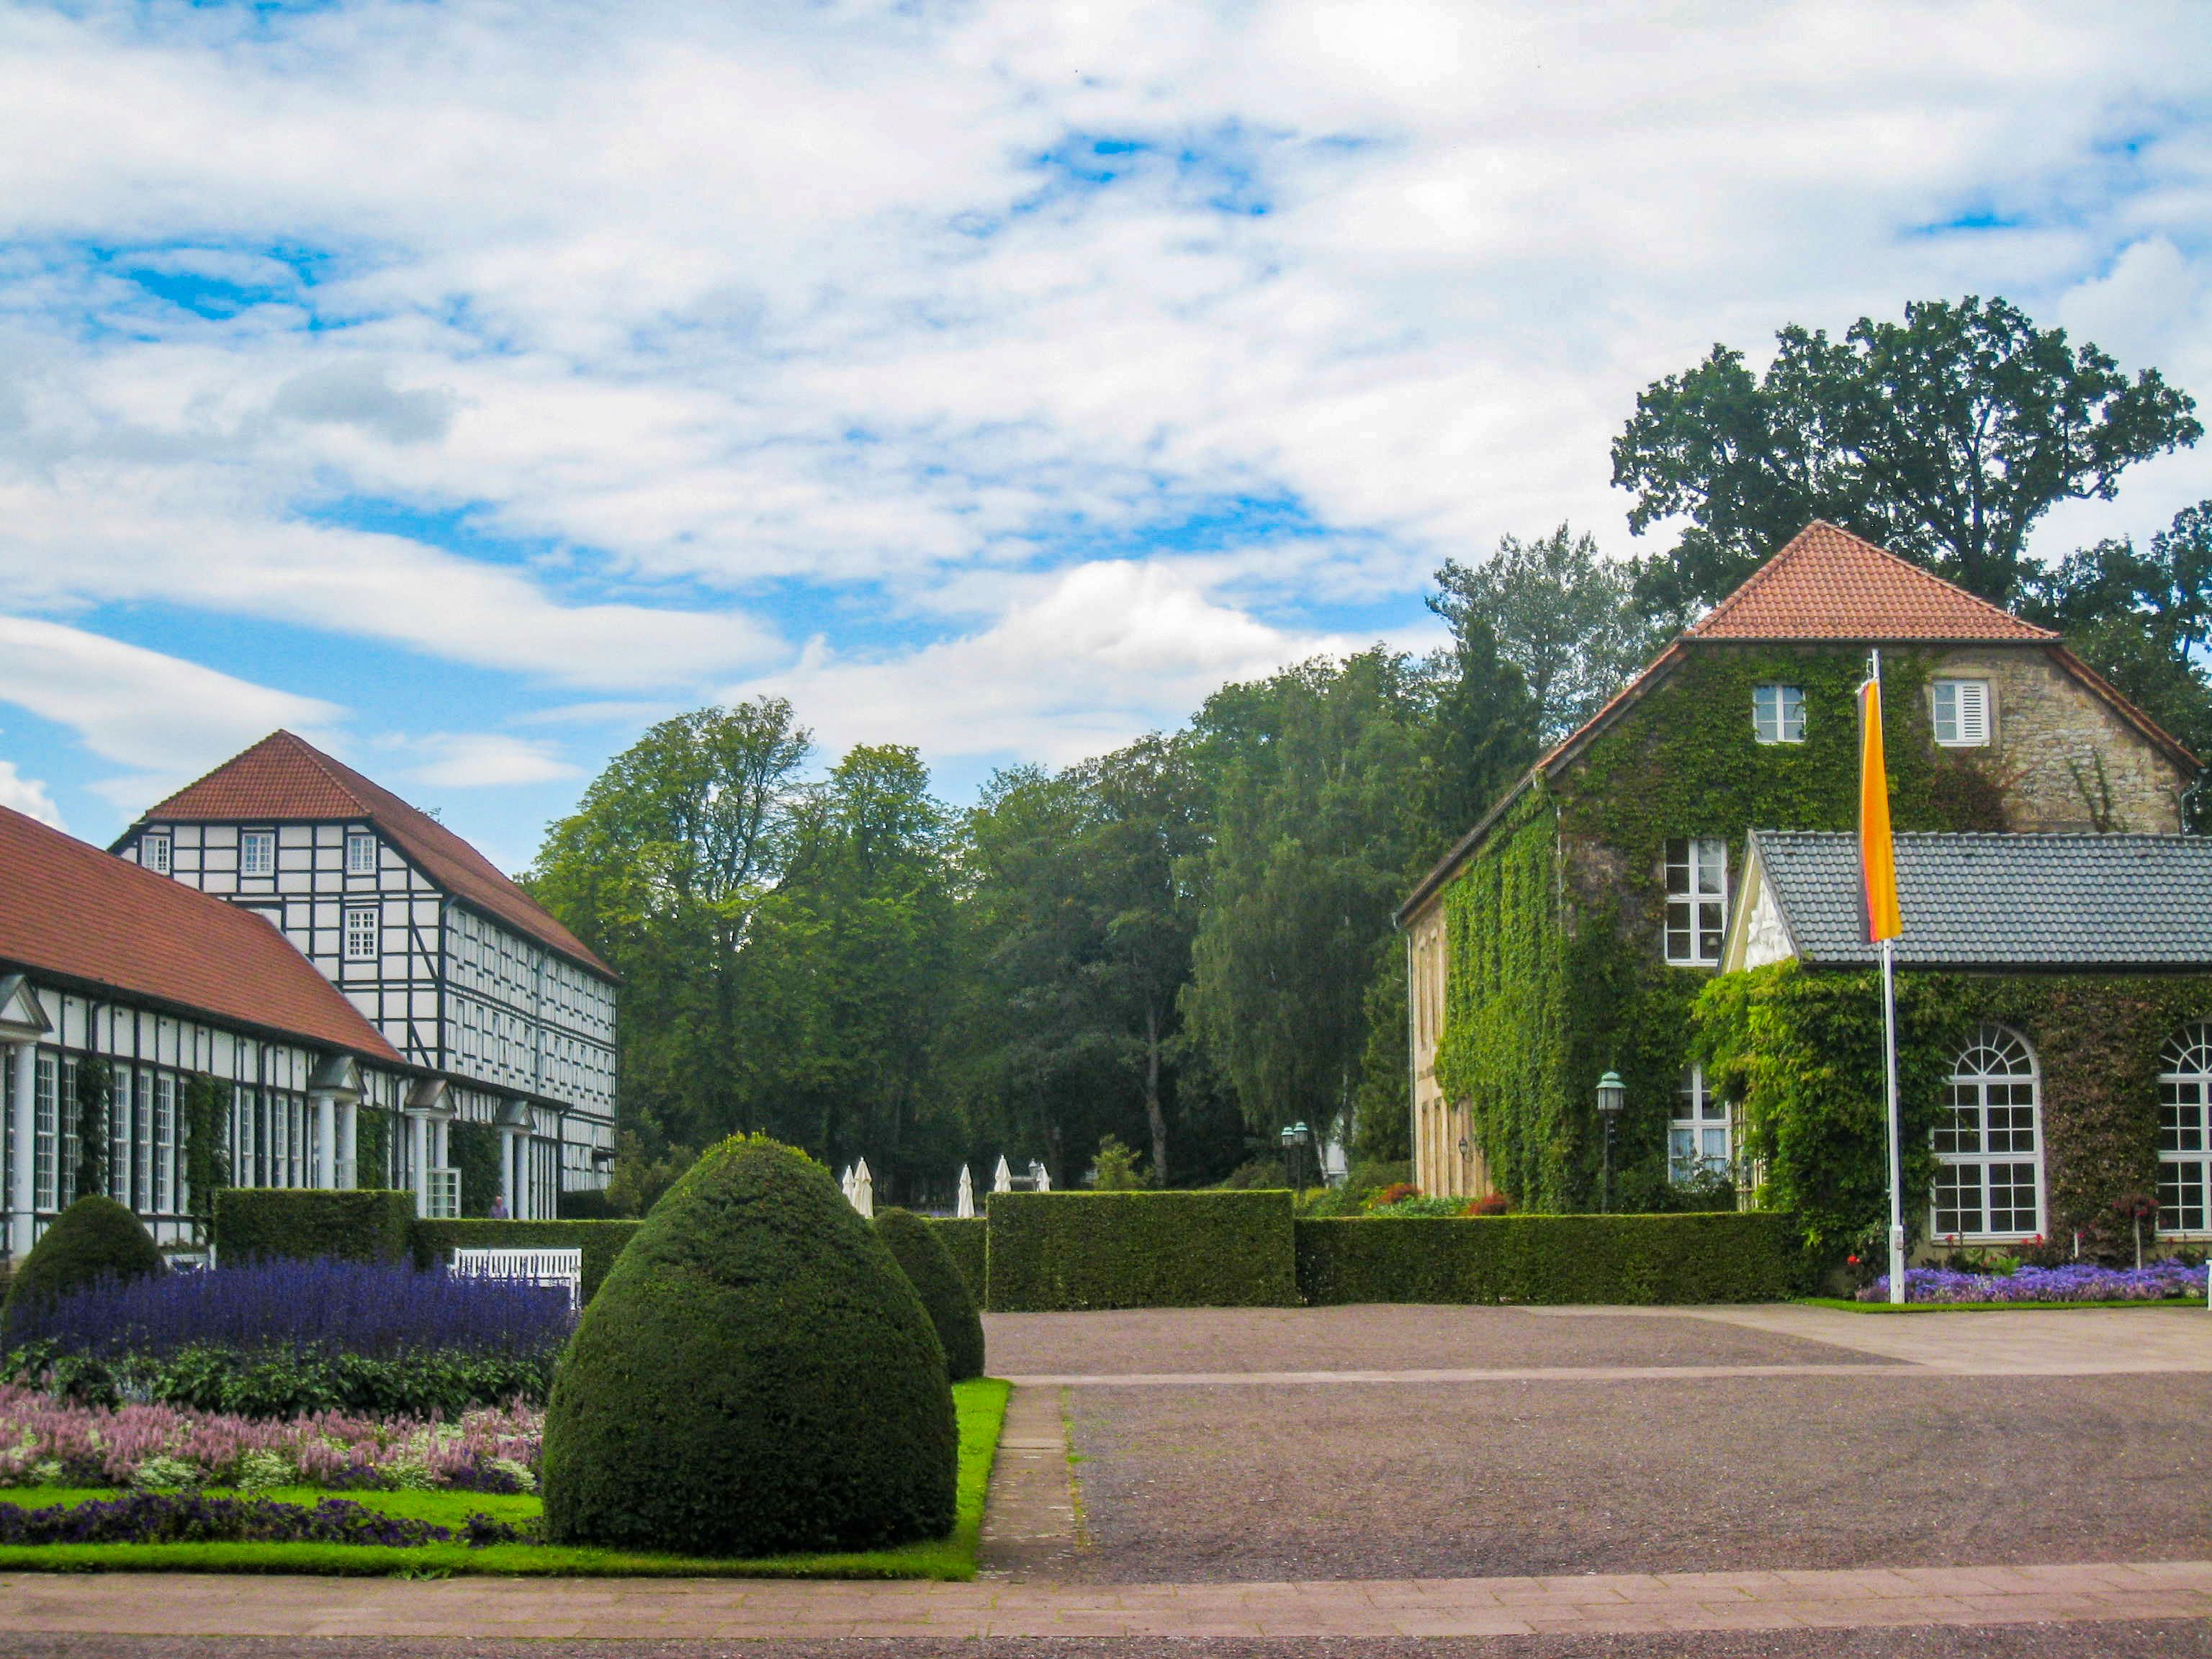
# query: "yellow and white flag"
[[1877, 853]]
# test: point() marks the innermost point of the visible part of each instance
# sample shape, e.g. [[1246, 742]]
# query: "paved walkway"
[[1596, 1604]]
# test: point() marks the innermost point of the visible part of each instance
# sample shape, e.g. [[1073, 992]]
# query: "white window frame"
[[45, 1133], [360, 854], [1969, 1089], [2184, 1133], [165, 1142], [364, 933], [1700, 1117], [1778, 712], [121, 1176], [157, 853], [256, 841], [1696, 927], [1962, 714]]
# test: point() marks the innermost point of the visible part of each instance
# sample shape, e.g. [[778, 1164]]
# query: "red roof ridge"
[[74, 911], [254, 783], [1902, 602]]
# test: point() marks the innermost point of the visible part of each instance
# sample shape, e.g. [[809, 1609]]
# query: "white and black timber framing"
[[521, 1033]]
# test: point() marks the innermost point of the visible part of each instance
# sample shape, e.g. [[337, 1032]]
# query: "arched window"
[[2184, 1152], [1989, 1147]]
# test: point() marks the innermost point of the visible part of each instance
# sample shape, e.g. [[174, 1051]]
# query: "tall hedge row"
[[1057, 1250], [1717, 1256], [258, 1224], [968, 1239]]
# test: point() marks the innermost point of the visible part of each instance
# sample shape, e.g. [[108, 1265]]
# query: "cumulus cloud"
[[484, 759], [361, 394], [27, 796]]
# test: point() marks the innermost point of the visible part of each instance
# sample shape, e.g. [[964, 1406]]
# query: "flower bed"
[[146, 1517], [47, 1442], [286, 1337], [2076, 1282]]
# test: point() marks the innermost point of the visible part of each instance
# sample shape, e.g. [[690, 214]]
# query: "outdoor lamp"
[[1611, 1096]]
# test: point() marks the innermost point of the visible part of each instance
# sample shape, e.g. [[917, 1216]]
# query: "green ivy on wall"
[[1553, 972], [1800, 1049], [206, 1112], [474, 1148]]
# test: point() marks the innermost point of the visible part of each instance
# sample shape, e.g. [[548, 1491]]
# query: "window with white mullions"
[[360, 855], [256, 852], [362, 932], [1698, 1137], [1962, 714], [155, 854], [1988, 1143], [1777, 713], [2185, 1147], [1697, 900]]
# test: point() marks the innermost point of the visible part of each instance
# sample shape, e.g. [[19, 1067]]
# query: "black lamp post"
[[1611, 1096], [1295, 1137]]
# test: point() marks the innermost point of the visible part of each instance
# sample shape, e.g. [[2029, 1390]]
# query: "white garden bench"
[[563, 1268]]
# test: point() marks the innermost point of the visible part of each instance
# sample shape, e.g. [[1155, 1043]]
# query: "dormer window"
[[153, 854], [256, 852], [360, 855], [1962, 714], [1778, 712]]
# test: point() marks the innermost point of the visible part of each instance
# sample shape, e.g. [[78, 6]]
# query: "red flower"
[[1853, 1260]]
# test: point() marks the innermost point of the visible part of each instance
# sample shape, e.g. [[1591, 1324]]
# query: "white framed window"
[[244, 1116], [46, 1135], [1988, 1143], [1777, 713], [1962, 714], [363, 933], [165, 1138], [1698, 1137], [256, 852], [154, 853], [118, 1137], [360, 855], [1697, 900], [2185, 1149]]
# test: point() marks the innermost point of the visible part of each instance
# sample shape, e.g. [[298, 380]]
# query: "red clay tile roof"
[[71, 909], [1828, 584], [285, 777]]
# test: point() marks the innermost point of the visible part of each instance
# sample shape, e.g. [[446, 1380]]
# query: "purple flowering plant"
[[2078, 1281], [146, 1517]]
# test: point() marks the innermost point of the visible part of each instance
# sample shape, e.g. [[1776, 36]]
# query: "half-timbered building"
[[467, 976], [101, 962]]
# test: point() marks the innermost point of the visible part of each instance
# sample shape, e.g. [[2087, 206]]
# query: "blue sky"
[[467, 385]]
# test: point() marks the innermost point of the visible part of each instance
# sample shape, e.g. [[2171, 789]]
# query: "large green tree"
[[1944, 437]]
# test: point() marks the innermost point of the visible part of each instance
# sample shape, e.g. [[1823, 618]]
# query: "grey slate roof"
[[2003, 901]]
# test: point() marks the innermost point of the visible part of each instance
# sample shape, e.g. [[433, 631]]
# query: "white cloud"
[[27, 796], [167, 719], [485, 760]]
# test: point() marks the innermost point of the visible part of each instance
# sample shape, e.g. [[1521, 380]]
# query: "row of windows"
[[1988, 1139], [257, 853], [1961, 713]]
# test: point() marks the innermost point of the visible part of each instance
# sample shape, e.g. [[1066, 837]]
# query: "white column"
[[506, 1181], [326, 1139], [23, 1129], [349, 1140], [418, 1149]]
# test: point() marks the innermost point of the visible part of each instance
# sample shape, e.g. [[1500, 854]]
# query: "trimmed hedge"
[[265, 1224], [1714, 1256], [601, 1242], [929, 1268], [1059, 1250], [95, 1238], [968, 1239], [756, 1376]]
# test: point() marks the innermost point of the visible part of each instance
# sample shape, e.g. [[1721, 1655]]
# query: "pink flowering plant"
[[48, 1440]]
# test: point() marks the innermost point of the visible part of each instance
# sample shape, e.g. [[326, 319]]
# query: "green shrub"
[[263, 1224], [1746, 1257], [936, 1279], [590, 1204], [756, 1376], [968, 1238], [601, 1242], [95, 1238], [1208, 1250], [286, 1383]]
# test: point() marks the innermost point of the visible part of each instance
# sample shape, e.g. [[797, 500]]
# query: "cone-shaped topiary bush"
[[95, 1238], [756, 1376], [936, 1279]]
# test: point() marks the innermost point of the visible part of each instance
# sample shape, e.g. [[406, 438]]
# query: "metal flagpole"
[[1889, 1084]]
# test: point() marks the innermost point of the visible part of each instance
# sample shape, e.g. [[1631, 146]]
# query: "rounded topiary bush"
[[936, 1279], [93, 1239], [755, 1376]]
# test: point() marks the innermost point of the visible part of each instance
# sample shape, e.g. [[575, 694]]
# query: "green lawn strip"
[[982, 1406], [2196, 1302]]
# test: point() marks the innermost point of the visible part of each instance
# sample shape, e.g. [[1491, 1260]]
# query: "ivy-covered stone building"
[[1571, 930]]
